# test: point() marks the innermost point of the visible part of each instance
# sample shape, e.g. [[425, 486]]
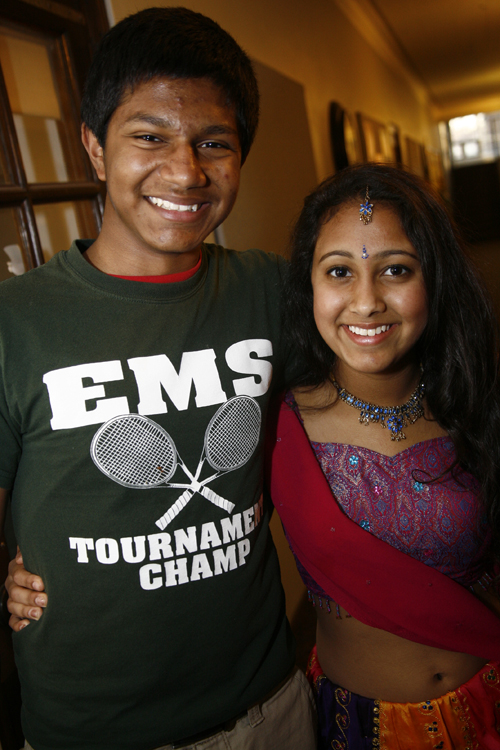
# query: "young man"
[[131, 424]]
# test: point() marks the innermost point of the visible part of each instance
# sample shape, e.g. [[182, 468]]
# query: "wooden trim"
[[12, 153], [32, 238], [12, 194], [26, 249], [54, 192], [49, 192], [57, 9], [97, 19]]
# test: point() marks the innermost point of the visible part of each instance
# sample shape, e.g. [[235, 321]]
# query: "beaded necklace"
[[392, 417]]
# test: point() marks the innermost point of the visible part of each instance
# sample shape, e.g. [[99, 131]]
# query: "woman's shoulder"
[[313, 396]]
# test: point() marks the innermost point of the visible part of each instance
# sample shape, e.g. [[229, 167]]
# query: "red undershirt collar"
[[166, 278]]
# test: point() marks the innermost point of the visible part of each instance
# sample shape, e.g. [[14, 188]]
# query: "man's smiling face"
[[171, 162]]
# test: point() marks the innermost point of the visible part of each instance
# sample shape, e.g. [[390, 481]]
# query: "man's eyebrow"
[[382, 255], [220, 130], [158, 122], [163, 122]]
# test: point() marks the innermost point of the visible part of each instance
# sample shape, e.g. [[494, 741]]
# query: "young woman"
[[394, 515]]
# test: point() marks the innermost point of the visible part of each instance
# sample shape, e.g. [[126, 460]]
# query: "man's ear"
[[95, 151]]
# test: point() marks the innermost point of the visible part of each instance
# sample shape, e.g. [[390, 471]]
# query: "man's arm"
[[25, 600]]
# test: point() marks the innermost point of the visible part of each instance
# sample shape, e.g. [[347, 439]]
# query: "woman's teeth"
[[368, 331], [173, 206]]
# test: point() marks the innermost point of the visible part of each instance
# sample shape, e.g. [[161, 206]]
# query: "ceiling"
[[451, 47]]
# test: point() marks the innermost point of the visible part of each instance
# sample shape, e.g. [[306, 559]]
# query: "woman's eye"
[[396, 271], [339, 272]]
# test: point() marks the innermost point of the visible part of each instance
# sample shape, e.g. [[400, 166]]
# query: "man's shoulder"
[[252, 261], [21, 285], [36, 280]]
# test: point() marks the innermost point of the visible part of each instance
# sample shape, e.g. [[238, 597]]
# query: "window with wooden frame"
[[49, 194]]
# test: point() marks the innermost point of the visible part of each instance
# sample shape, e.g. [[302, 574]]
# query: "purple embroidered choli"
[[439, 523]]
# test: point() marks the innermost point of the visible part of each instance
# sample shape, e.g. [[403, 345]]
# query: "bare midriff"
[[365, 660], [378, 664]]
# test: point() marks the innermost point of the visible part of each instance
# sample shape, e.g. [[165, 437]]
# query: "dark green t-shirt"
[[152, 632]]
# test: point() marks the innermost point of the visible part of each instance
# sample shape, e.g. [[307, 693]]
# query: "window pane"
[[11, 258], [471, 149], [35, 102], [41, 149], [475, 138], [59, 224]]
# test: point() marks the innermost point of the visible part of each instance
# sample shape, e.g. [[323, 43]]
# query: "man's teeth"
[[368, 331], [173, 206]]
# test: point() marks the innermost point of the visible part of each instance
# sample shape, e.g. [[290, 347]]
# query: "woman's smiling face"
[[370, 311]]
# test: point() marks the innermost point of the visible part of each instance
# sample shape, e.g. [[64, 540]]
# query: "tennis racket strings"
[[134, 451], [233, 433]]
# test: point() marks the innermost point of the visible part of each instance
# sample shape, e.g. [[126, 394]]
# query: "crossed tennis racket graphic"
[[135, 451]]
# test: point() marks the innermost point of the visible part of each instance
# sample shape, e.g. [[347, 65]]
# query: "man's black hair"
[[173, 43]]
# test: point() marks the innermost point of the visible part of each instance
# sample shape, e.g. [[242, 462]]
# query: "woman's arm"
[[25, 600]]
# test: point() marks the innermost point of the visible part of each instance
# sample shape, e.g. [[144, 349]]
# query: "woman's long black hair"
[[459, 349]]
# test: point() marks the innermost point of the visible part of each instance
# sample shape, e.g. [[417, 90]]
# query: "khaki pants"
[[287, 721]]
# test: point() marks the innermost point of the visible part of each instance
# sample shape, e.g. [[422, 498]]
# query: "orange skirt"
[[467, 718]]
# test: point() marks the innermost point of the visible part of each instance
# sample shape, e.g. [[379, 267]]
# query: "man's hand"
[[25, 600]]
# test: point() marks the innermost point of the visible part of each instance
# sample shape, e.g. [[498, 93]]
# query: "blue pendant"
[[365, 212]]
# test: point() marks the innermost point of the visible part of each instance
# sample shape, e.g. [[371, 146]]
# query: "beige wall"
[[314, 44]]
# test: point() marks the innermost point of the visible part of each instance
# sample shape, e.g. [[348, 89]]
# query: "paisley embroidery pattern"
[[438, 523]]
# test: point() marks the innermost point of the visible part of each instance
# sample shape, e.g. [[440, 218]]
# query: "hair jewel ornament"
[[365, 210], [392, 417], [364, 254]]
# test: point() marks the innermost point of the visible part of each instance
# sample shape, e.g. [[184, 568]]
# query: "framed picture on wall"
[[414, 157], [375, 140], [344, 137], [436, 170], [395, 143]]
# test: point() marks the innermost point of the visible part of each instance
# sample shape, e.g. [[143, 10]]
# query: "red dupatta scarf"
[[374, 582]]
